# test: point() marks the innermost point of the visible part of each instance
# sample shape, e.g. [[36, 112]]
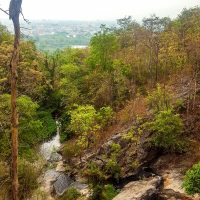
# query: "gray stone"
[[55, 157], [62, 183], [140, 190]]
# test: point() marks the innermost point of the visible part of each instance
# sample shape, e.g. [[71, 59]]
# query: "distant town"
[[50, 35]]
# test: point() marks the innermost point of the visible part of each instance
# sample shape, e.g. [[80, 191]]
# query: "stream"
[[54, 179]]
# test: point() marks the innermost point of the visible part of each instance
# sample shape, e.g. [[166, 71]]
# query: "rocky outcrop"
[[134, 153], [145, 189], [169, 194], [62, 183], [172, 168]]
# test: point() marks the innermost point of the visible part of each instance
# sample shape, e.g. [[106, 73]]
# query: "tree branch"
[[4, 11], [26, 20], [25, 28]]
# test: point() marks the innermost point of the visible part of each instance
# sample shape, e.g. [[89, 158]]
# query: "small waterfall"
[[55, 178], [48, 150], [51, 146]]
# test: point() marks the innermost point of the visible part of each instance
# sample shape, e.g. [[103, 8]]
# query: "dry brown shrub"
[[134, 108]]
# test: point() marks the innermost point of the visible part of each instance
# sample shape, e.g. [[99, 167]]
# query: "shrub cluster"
[[192, 180]]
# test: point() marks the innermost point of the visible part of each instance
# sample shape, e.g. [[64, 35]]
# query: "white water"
[[51, 146], [46, 150], [49, 177]]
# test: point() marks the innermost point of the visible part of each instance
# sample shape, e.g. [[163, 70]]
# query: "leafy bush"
[[85, 122], [167, 128], [96, 179], [103, 192], [28, 174], [71, 149], [34, 126], [3, 169], [112, 167], [5, 145], [192, 180], [104, 116], [159, 99], [48, 124], [83, 119], [109, 192], [94, 174], [96, 192], [70, 194]]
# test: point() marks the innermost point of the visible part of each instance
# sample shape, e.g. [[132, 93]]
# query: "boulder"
[[145, 189], [55, 157], [134, 154], [170, 194], [62, 183]]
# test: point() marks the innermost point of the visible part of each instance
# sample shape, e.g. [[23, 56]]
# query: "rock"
[[173, 180], [134, 154], [55, 157], [79, 186], [141, 190], [172, 195], [62, 183], [85, 192], [60, 167], [49, 177], [172, 168]]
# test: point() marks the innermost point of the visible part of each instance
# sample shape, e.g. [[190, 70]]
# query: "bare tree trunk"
[[14, 12], [195, 90]]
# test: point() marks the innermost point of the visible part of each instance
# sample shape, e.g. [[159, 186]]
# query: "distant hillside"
[[51, 35]]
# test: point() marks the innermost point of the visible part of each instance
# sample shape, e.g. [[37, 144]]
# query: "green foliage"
[[60, 41], [115, 148], [119, 64], [103, 192], [48, 124], [5, 36], [159, 99], [28, 174], [104, 116], [112, 167], [103, 45], [4, 170], [5, 145], [133, 134], [94, 174], [96, 192], [34, 126], [83, 119], [135, 164], [72, 149], [109, 192], [167, 128], [191, 182], [85, 122], [70, 194], [68, 84], [97, 176]]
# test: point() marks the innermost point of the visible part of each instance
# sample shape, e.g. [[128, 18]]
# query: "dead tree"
[[14, 13]]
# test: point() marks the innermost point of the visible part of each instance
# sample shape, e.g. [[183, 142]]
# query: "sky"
[[99, 9]]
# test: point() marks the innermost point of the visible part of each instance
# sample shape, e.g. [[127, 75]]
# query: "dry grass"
[[134, 108], [123, 119]]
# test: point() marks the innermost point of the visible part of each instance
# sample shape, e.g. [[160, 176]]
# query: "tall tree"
[[154, 26], [14, 12]]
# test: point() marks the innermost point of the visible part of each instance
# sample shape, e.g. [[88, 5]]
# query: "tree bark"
[[14, 12]]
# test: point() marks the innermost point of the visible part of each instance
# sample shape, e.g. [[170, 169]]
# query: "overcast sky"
[[100, 9]]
